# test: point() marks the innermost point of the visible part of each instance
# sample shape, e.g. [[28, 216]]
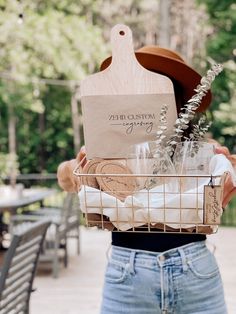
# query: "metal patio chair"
[[64, 222], [19, 267]]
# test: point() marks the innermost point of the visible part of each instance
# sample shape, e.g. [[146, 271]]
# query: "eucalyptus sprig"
[[162, 128], [199, 129], [188, 111]]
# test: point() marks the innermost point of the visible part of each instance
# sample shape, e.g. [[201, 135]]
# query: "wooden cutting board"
[[121, 104]]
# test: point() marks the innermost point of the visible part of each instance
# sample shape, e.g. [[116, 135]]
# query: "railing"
[[35, 180]]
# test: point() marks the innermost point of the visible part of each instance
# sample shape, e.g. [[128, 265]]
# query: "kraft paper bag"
[[112, 123]]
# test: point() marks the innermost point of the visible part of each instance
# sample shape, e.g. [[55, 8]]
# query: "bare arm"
[[66, 180], [229, 188]]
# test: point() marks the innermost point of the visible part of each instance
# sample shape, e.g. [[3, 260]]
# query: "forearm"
[[66, 180]]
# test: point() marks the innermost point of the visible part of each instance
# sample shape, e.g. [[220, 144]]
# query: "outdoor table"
[[29, 196]]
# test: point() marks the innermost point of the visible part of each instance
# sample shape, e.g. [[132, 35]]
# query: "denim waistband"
[[177, 255], [179, 260]]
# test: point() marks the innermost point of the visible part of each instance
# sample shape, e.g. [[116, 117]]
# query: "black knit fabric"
[[156, 242]]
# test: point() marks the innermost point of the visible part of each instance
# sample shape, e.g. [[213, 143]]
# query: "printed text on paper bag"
[[132, 121], [124, 120]]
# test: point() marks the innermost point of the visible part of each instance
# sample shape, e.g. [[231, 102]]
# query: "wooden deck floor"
[[78, 288]]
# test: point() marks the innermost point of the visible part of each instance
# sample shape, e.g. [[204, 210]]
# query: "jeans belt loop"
[[131, 261], [184, 259]]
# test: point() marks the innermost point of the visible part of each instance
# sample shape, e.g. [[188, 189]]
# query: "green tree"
[[55, 41], [220, 46]]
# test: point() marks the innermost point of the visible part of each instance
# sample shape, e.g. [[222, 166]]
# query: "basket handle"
[[78, 169]]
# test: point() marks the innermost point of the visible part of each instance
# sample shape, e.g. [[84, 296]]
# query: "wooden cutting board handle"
[[125, 76]]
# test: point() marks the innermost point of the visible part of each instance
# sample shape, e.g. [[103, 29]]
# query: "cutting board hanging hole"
[[123, 56]]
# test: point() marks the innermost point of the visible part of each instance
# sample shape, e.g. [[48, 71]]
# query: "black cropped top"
[[150, 241]]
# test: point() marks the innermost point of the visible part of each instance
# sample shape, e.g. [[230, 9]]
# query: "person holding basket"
[[161, 273]]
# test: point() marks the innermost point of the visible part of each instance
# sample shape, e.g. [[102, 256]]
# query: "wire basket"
[[170, 207]]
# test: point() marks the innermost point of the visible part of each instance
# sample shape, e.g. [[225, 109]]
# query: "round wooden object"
[[90, 168], [119, 187]]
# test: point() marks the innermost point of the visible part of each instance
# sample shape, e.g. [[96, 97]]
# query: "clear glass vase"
[[161, 165], [139, 162], [193, 158], [148, 162]]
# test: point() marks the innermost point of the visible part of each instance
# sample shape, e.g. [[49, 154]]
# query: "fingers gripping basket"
[[125, 201]]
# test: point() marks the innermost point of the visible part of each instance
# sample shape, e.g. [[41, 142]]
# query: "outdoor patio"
[[78, 288], [143, 112]]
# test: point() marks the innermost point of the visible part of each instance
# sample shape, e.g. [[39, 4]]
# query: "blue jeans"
[[185, 280]]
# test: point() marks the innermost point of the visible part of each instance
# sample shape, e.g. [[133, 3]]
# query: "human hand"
[[81, 156], [229, 188], [66, 179]]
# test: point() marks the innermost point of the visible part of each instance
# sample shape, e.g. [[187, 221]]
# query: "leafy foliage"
[[57, 40], [67, 40], [221, 47], [53, 42]]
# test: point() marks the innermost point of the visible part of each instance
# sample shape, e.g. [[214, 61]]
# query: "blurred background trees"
[[221, 46], [48, 47]]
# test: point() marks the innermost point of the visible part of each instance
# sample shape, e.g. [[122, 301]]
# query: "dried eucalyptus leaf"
[[179, 131], [162, 127], [187, 112]]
